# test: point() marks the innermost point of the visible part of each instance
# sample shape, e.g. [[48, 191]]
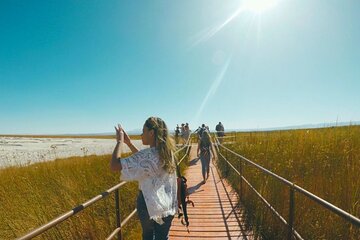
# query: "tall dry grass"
[[33, 195], [133, 137], [325, 162]]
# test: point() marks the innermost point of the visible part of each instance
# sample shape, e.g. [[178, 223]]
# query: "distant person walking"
[[154, 169], [177, 133], [204, 151], [220, 132], [182, 131], [186, 133], [200, 130], [197, 132]]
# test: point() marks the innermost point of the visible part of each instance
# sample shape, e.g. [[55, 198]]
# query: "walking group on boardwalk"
[[154, 169], [182, 133]]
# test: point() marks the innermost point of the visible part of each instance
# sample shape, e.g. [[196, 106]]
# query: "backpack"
[[202, 129], [182, 198]]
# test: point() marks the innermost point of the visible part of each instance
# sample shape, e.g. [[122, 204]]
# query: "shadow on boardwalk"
[[217, 214]]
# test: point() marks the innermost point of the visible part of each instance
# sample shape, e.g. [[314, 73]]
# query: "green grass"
[[325, 162]]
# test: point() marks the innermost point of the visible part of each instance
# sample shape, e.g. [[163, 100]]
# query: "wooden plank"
[[217, 214]]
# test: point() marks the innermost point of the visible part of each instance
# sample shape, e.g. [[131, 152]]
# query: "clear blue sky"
[[82, 66]]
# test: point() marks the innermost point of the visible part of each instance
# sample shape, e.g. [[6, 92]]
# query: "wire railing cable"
[[293, 187], [70, 213], [79, 208]]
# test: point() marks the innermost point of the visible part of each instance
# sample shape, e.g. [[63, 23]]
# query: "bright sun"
[[255, 7], [259, 6]]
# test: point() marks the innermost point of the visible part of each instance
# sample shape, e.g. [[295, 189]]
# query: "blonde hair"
[[163, 142]]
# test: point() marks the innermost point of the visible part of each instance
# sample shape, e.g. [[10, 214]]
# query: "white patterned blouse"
[[157, 185]]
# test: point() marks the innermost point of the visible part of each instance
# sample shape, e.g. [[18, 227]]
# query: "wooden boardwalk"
[[216, 214]]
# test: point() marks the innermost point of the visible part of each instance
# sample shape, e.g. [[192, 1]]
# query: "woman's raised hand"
[[119, 129]]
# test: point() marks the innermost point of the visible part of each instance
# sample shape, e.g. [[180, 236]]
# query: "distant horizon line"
[[138, 131]]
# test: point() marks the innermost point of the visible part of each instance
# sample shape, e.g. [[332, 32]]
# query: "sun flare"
[[255, 7], [259, 6]]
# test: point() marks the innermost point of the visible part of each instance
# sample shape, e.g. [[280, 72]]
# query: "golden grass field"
[[324, 161], [133, 137], [33, 195]]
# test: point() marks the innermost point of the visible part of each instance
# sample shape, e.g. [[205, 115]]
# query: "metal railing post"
[[241, 181], [226, 166], [117, 209], [292, 233], [291, 212]]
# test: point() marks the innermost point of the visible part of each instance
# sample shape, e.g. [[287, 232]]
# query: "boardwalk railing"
[[227, 136], [292, 189], [115, 189]]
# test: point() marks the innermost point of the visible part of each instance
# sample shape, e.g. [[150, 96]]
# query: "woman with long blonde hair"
[[203, 151], [154, 169]]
